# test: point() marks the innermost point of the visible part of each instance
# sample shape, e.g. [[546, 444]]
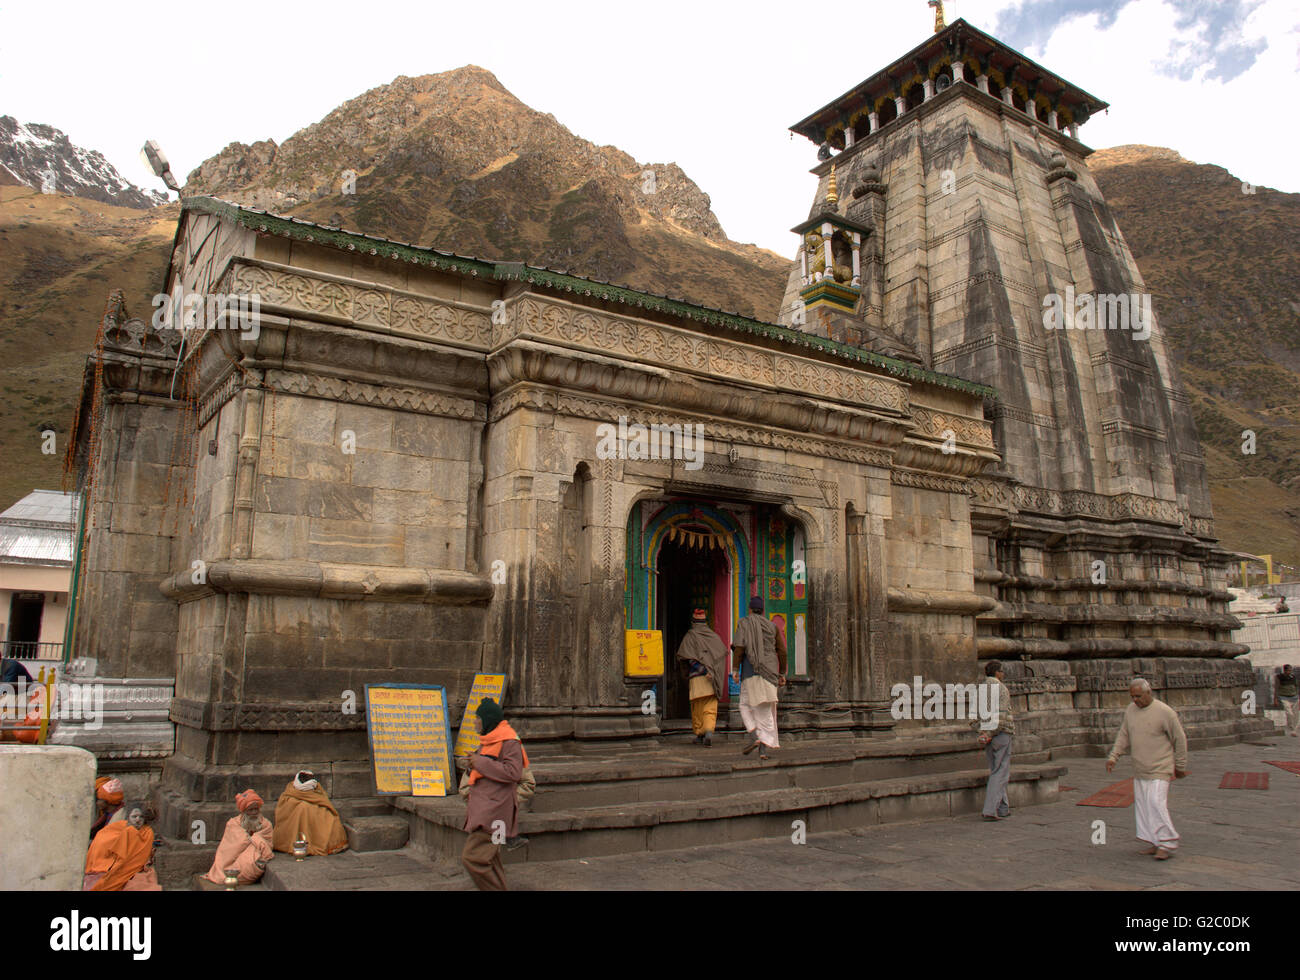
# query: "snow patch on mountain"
[[44, 159]]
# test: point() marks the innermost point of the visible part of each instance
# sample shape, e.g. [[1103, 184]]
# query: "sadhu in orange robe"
[[119, 860], [242, 850]]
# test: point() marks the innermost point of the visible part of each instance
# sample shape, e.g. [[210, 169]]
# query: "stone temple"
[[402, 473]]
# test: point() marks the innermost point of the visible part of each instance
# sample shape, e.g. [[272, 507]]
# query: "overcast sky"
[[710, 85]]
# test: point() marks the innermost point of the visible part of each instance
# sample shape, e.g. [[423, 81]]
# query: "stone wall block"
[[46, 802]]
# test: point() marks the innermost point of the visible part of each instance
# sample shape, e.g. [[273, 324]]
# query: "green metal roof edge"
[[264, 221], [734, 321], [258, 220]]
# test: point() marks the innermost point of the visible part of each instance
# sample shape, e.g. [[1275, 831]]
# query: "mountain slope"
[[1223, 268], [59, 257], [455, 161]]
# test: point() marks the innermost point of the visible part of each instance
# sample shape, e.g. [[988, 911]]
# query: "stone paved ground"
[[1231, 841]]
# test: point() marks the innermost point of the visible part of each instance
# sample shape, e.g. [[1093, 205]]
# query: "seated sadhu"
[[246, 843], [304, 811], [109, 796], [120, 858]]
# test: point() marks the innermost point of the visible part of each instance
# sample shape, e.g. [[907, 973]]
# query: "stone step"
[[177, 861], [595, 831], [177, 814], [374, 806], [378, 833], [401, 870], [687, 771]]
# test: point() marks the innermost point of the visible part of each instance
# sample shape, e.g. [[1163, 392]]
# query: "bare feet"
[[1162, 854], [750, 748], [1149, 851]]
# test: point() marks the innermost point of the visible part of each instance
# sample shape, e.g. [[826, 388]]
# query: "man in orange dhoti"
[[120, 858], [304, 810], [246, 843], [705, 656]]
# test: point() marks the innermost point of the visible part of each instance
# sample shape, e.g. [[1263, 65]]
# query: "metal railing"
[[31, 650]]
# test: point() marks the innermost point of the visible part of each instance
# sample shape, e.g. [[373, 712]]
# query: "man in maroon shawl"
[[706, 659]]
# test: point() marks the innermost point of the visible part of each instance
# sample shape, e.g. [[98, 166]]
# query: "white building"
[[36, 553]]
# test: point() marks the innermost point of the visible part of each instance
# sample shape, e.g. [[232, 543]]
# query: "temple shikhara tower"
[[404, 474], [955, 213]]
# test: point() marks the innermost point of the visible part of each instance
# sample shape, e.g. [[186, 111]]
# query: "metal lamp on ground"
[[300, 848], [232, 879]]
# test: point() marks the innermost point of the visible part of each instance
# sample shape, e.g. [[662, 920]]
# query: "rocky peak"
[[44, 159], [449, 129]]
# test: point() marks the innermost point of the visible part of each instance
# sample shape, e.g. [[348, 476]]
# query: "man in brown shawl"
[[304, 810], [706, 659], [760, 646]]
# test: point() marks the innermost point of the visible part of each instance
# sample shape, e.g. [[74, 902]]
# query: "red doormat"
[[1288, 766], [1244, 780], [1118, 794]]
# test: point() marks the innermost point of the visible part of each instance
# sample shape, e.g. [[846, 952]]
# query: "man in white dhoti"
[[760, 668], [1152, 732]]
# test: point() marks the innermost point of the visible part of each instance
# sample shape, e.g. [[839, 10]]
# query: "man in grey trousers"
[[995, 736]]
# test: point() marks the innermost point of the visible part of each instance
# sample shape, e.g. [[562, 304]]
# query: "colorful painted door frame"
[[741, 531]]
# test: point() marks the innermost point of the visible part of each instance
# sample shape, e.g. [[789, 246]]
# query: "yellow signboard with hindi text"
[[408, 729], [643, 653]]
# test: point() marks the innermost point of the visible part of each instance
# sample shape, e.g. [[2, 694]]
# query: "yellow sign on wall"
[[408, 729], [643, 653], [485, 686], [428, 782]]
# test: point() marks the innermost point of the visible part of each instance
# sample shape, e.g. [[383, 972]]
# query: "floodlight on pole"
[[153, 157]]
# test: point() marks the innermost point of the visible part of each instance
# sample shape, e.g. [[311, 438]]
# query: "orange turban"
[[246, 799], [110, 790]]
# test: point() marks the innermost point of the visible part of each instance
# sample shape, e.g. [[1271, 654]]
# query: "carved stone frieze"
[[992, 493], [607, 411], [1082, 503], [963, 284], [385, 396], [363, 304], [222, 393], [1014, 345], [936, 425], [273, 716], [928, 481], [563, 323], [1022, 415]]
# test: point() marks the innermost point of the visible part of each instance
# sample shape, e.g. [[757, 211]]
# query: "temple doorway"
[[690, 578], [688, 553]]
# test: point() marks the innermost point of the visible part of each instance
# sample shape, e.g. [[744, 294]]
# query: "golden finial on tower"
[[938, 15], [832, 192]]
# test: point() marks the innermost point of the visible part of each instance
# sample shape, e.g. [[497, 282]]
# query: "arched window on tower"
[[887, 112]]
